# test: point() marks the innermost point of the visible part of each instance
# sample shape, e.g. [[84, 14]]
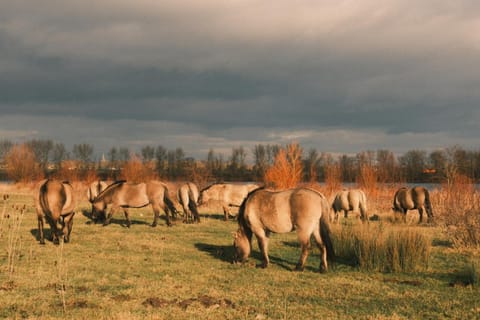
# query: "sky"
[[338, 76]]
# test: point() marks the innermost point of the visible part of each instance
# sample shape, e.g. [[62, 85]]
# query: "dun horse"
[[55, 203], [228, 194], [187, 195], [413, 198], [301, 209], [121, 194], [93, 191], [350, 200]]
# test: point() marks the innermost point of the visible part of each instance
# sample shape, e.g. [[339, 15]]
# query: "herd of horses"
[[261, 211]]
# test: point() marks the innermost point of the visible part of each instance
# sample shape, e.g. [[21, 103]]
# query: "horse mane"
[[211, 185], [241, 212], [108, 190]]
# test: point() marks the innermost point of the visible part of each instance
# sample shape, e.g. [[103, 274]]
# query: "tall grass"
[[14, 218], [382, 248], [458, 206]]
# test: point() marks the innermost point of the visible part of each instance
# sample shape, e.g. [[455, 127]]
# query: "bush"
[[287, 170], [22, 165]]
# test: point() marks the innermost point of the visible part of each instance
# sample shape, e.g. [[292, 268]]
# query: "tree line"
[[38, 158]]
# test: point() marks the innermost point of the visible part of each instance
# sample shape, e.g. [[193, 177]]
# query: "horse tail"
[[428, 204], [325, 231], [169, 202], [43, 199]]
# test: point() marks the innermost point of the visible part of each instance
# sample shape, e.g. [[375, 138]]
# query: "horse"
[[55, 202], [93, 191], [413, 198], [121, 194], [228, 194], [302, 209], [187, 195], [350, 200]]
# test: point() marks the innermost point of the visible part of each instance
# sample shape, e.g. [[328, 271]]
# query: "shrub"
[[22, 166], [287, 169]]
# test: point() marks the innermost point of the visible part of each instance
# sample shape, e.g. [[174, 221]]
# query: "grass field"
[[185, 272]]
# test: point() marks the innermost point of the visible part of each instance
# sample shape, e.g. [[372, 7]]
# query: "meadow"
[[185, 271]]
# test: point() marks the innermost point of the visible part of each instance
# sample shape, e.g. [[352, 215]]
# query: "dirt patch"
[[8, 286], [204, 300], [414, 283], [122, 297]]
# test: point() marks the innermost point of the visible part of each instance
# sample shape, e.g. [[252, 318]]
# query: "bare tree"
[[83, 152]]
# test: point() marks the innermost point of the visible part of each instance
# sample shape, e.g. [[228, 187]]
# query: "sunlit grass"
[[185, 272]]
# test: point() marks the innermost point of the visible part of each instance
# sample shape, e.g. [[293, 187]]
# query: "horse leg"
[[193, 210], [156, 212], [67, 226], [420, 212], [305, 247], [405, 215], [323, 250], [226, 212], [345, 213], [40, 230], [262, 238], [109, 216], [127, 217]]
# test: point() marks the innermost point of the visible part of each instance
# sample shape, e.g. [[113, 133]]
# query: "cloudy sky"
[[339, 76]]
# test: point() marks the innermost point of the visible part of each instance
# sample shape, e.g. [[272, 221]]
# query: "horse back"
[[131, 195], [284, 211]]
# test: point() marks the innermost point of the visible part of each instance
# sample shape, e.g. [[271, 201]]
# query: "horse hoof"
[[154, 225], [299, 268]]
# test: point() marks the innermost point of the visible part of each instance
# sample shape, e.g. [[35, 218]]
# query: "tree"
[[312, 164], [148, 154], [161, 158], [59, 154], [22, 165], [41, 150], [412, 163], [83, 152], [5, 146], [287, 169]]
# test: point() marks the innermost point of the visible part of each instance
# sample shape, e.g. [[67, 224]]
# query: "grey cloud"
[[238, 71]]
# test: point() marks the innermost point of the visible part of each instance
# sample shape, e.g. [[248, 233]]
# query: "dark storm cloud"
[[239, 72]]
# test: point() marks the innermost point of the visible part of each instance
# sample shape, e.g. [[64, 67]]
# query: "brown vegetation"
[[287, 169], [22, 165]]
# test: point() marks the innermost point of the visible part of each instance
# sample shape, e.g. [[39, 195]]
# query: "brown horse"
[[300, 209], [187, 195], [55, 203], [228, 194], [350, 200], [121, 194], [413, 198], [93, 191]]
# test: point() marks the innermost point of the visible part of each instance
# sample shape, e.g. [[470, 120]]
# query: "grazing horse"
[[350, 200], [93, 191], [413, 198], [228, 194], [187, 195], [55, 202], [300, 209], [121, 194]]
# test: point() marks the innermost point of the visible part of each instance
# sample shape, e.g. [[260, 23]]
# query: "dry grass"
[[185, 272]]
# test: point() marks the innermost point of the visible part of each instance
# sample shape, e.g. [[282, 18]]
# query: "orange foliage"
[[22, 165], [333, 178], [287, 169], [367, 179], [135, 171]]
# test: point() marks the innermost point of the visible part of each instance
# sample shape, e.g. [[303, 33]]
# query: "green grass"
[[185, 272]]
